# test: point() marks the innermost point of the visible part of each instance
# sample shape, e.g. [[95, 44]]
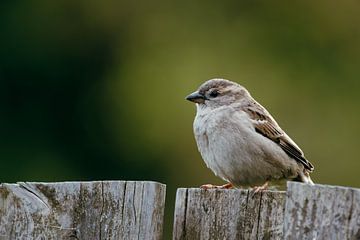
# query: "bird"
[[241, 142]]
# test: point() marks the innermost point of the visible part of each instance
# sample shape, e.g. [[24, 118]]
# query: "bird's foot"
[[211, 186], [261, 188]]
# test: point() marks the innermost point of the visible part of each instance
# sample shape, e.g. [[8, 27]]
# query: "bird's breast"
[[221, 139], [230, 147]]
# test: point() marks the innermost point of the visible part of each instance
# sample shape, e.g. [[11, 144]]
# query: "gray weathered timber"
[[228, 214], [82, 210], [321, 212]]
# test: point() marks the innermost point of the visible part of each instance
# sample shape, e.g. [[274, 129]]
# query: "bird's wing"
[[265, 125]]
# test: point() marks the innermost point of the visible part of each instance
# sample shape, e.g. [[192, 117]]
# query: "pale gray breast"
[[233, 150], [221, 139]]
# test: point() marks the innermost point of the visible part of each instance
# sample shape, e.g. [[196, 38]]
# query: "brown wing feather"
[[267, 126]]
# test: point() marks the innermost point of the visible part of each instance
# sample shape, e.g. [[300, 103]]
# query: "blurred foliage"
[[95, 89]]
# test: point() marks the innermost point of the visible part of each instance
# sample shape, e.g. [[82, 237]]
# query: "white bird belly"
[[234, 151]]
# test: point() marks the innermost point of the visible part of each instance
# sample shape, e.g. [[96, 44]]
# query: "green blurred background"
[[95, 90]]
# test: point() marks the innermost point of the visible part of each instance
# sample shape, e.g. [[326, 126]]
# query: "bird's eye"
[[214, 93]]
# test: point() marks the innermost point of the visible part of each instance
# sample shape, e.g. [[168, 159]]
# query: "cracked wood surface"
[[228, 214], [82, 210], [321, 212]]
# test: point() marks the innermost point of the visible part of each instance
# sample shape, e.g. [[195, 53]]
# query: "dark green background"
[[94, 90]]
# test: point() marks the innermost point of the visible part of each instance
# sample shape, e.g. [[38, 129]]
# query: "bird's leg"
[[211, 186], [261, 188]]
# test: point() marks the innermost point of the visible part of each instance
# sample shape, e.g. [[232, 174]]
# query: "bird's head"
[[218, 92]]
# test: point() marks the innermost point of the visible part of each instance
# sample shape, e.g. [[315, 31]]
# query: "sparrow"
[[240, 141]]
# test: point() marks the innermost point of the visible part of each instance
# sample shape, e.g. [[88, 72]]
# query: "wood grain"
[[228, 214], [321, 212], [82, 210]]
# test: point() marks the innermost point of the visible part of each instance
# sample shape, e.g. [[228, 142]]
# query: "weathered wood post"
[[228, 214], [321, 212], [134, 210], [82, 210], [303, 212]]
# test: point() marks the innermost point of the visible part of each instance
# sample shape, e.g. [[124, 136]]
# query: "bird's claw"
[[261, 188]]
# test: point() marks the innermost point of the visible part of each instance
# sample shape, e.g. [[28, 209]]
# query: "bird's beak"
[[196, 97]]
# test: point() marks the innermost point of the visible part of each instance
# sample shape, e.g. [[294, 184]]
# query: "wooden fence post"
[[82, 210], [134, 210], [228, 214], [321, 212]]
